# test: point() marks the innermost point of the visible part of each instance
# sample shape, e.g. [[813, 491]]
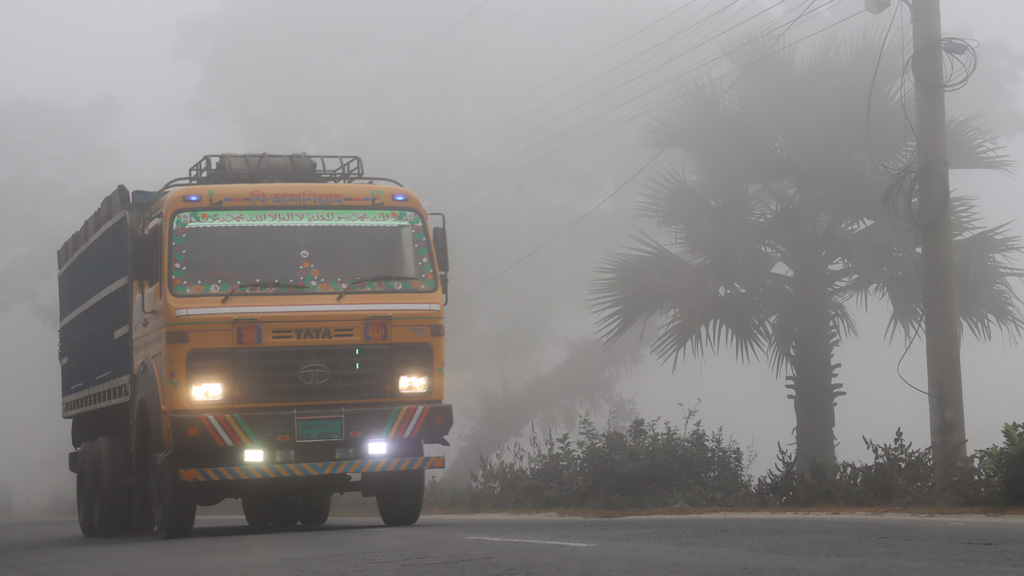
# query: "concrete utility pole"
[[941, 320]]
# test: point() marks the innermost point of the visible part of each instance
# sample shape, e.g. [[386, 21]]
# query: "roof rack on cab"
[[262, 168]]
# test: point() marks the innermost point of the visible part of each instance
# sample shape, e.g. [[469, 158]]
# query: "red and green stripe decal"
[[405, 422], [228, 430]]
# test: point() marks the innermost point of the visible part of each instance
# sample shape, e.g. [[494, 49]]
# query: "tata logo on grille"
[[313, 334], [314, 374]]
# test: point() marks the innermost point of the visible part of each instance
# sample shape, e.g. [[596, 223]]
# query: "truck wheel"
[[287, 509], [400, 497], [142, 486], [83, 489], [174, 504], [110, 507], [272, 508], [316, 507], [257, 510]]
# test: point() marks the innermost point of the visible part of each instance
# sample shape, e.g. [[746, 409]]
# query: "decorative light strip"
[[307, 308]]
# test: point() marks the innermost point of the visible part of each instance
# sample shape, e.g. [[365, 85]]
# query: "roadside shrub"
[[784, 485], [650, 464], [899, 475], [1005, 464]]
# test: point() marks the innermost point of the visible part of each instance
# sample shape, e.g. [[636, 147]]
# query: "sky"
[[500, 114]]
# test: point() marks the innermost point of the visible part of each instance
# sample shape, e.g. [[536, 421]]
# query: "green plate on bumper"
[[315, 428]]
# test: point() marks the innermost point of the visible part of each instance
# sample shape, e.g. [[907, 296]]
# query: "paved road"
[[477, 545]]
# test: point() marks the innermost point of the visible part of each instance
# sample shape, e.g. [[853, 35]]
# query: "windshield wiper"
[[263, 284], [371, 279]]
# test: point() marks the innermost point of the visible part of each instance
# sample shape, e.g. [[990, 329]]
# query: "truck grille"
[[313, 373]]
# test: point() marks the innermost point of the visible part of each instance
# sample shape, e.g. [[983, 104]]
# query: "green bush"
[[1005, 464], [650, 464], [899, 475], [654, 464]]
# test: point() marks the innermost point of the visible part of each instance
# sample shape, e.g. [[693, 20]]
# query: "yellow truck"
[[269, 328]]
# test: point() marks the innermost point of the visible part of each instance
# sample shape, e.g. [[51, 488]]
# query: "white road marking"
[[549, 542]]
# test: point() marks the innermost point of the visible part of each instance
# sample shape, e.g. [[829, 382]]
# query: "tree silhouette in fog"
[[776, 222]]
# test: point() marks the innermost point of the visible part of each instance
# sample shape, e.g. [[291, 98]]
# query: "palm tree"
[[777, 225]]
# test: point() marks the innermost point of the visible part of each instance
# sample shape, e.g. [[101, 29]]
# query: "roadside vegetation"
[[654, 464]]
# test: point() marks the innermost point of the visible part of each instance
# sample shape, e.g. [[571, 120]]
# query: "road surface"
[[504, 544]]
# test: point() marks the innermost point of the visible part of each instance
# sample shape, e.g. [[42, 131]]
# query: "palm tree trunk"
[[813, 392]]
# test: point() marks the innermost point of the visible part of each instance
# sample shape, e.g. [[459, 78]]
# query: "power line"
[[567, 228], [593, 99], [486, 37], [564, 230], [631, 116], [442, 38], [402, 69], [518, 119], [564, 73], [598, 116]]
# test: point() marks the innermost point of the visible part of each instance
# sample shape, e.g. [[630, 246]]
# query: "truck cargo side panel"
[[95, 318]]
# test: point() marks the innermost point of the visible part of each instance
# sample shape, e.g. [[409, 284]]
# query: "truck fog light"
[[284, 456], [207, 391], [253, 455], [409, 384], [376, 447]]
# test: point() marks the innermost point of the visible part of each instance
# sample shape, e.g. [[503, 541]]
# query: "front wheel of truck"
[[258, 511], [316, 508], [267, 508], [400, 497], [400, 494], [174, 504]]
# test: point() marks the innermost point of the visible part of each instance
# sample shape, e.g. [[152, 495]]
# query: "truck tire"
[[174, 504], [84, 489], [287, 509], [316, 508], [400, 494], [142, 498], [258, 511], [110, 507], [400, 497], [272, 508]]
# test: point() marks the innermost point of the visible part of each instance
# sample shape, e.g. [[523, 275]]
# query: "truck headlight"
[[252, 455], [409, 384], [207, 391], [377, 447]]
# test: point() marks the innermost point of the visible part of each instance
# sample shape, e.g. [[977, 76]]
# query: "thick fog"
[[524, 121]]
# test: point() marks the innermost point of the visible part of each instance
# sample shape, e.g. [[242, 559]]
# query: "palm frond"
[[650, 281], [969, 146], [986, 298]]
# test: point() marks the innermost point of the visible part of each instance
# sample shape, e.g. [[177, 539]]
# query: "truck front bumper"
[[307, 469], [320, 441]]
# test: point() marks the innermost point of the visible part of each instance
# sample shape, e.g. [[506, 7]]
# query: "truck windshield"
[[213, 251]]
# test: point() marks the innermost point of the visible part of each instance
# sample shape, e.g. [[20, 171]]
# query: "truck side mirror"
[[441, 248], [441, 252], [144, 267]]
